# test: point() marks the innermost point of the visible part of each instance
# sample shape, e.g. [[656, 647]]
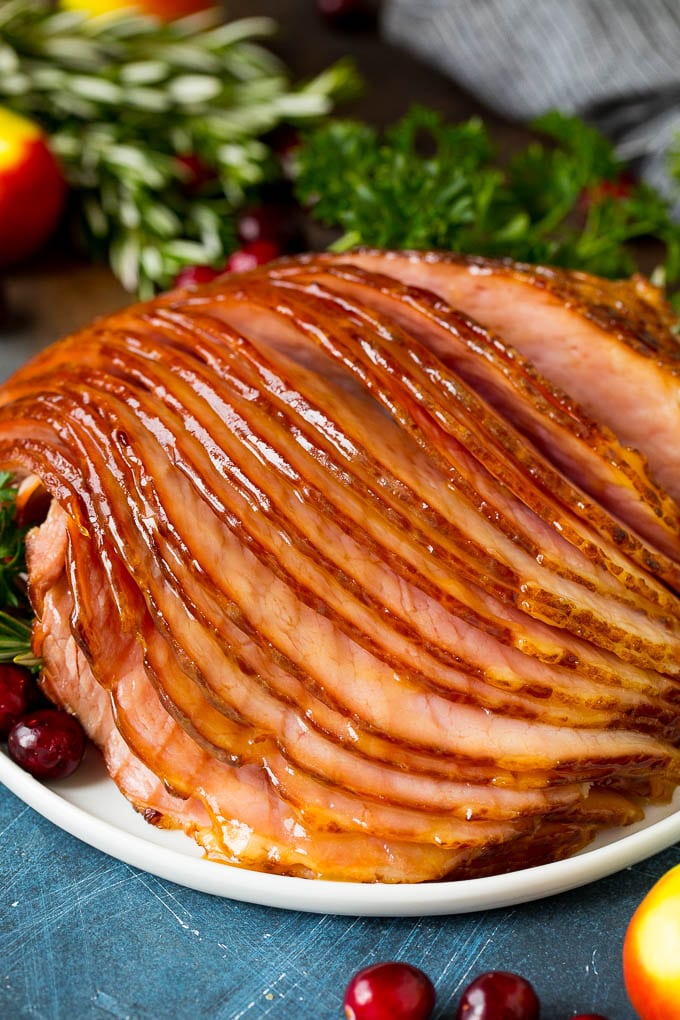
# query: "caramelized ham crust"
[[347, 584], [608, 344]]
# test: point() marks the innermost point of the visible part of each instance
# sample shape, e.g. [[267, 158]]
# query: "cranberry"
[[621, 187], [251, 255], [189, 276], [276, 222], [19, 693], [195, 173], [499, 995], [389, 991], [260, 223], [347, 15], [48, 743], [286, 143]]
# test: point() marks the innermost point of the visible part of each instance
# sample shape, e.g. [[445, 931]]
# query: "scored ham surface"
[[366, 567], [609, 345]]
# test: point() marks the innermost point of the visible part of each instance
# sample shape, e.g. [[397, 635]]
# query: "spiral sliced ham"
[[609, 345], [343, 578]]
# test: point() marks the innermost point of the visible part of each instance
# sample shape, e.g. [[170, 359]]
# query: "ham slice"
[[610, 472], [446, 421], [603, 338], [343, 585]]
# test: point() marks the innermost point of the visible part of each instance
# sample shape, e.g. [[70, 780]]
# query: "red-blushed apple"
[[32, 188], [167, 10]]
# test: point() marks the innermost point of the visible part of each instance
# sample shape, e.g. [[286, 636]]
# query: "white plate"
[[89, 806]]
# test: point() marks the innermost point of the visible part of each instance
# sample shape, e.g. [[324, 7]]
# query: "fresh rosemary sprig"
[[426, 183], [15, 611], [12, 561], [126, 99], [15, 641]]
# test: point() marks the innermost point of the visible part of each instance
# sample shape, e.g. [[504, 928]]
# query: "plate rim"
[[333, 897]]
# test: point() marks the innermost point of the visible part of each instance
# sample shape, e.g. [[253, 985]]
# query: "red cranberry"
[[19, 693], [48, 743], [284, 141], [621, 187], [251, 255], [286, 147], [347, 15], [260, 223], [195, 173], [389, 991], [190, 276], [499, 995], [277, 223]]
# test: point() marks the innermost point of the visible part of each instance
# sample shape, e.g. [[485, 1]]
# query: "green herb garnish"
[[15, 611], [12, 536], [15, 641], [126, 99], [425, 183]]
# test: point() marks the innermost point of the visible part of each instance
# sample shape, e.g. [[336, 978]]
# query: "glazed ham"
[[608, 345], [352, 569]]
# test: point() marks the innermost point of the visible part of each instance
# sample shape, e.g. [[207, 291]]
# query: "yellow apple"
[[651, 952]]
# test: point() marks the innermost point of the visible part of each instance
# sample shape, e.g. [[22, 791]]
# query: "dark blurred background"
[[308, 43]]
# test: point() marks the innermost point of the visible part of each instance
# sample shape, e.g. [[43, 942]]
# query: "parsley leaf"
[[425, 183]]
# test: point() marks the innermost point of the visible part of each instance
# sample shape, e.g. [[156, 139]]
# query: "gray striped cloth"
[[614, 62]]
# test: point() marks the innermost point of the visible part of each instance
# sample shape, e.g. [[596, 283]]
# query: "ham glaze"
[[366, 567]]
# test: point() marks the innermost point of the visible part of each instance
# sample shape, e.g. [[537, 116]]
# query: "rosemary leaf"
[[126, 97], [15, 613], [15, 641]]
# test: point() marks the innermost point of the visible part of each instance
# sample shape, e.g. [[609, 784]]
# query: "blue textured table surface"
[[84, 936]]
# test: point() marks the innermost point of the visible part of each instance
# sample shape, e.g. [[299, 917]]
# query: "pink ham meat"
[[609, 345], [615, 475], [341, 583]]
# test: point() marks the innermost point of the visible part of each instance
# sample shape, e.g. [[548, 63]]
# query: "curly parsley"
[[563, 200]]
